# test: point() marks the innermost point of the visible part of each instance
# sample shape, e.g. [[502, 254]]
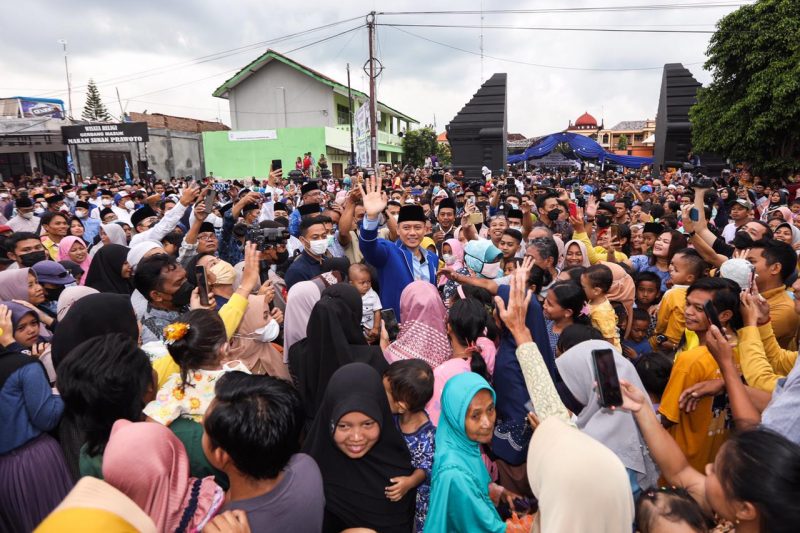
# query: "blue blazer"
[[394, 265]]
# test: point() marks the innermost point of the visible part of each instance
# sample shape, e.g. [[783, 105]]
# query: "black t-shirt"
[[722, 247]]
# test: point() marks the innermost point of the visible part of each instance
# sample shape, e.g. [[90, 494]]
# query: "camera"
[[265, 238], [221, 187], [702, 182]]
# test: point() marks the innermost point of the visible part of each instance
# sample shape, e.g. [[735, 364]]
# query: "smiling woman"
[[359, 449]]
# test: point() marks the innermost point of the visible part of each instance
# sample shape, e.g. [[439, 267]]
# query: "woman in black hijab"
[[333, 339], [359, 449], [109, 271], [89, 317]]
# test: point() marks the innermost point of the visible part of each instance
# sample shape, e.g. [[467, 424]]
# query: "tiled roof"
[[628, 125]]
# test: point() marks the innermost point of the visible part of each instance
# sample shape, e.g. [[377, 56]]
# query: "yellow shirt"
[[596, 253], [702, 432], [604, 319], [785, 320], [763, 361], [231, 314], [671, 322]]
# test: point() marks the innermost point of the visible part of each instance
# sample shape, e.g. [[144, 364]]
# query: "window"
[[342, 114], [605, 138]]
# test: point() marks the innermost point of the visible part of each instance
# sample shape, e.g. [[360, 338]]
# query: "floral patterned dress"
[[192, 400], [421, 446]]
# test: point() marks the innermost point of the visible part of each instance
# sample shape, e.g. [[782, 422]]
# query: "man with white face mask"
[[91, 226], [24, 220], [314, 236], [124, 207]]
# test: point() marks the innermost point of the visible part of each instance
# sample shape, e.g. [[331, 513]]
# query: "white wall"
[[278, 96]]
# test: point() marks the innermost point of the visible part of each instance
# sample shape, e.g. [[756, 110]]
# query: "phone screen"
[[390, 321], [202, 284], [210, 196], [607, 380], [276, 165], [694, 214]]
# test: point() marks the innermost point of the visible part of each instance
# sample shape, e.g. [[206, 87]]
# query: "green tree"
[[93, 109], [443, 153], [750, 111], [419, 144], [622, 144]]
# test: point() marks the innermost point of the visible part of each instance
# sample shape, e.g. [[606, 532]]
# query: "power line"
[[646, 7], [539, 65], [545, 28], [328, 38], [125, 78]]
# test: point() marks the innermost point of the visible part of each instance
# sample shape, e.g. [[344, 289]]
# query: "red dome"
[[586, 120]]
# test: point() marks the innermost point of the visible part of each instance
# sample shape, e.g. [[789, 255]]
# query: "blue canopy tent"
[[582, 146]]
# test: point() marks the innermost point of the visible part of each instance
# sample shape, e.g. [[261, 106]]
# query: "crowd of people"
[[401, 350]]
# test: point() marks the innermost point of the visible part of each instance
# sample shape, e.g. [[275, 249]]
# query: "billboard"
[[120, 132], [32, 108]]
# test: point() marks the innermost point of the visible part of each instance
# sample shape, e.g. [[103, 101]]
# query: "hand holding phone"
[[202, 284], [390, 323]]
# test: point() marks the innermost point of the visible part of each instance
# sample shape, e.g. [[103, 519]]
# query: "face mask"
[[490, 270], [330, 240], [318, 247], [129, 205], [436, 190], [72, 195], [449, 259], [553, 215], [396, 217], [183, 295], [518, 228], [513, 205], [53, 294], [603, 221], [269, 332], [742, 240], [64, 209], [81, 213], [26, 215], [106, 203], [224, 272], [39, 211], [31, 258], [608, 197]]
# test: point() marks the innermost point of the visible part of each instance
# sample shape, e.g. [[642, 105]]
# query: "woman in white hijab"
[[581, 485], [616, 429]]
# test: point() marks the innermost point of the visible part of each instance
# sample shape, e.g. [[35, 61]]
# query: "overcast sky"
[[146, 50]]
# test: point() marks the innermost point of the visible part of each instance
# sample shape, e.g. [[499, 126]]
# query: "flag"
[[128, 179], [70, 163]]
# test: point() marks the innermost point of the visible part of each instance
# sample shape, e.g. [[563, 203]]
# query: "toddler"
[[636, 343], [409, 386], [669, 509], [361, 279], [596, 283], [199, 345], [685, 268]]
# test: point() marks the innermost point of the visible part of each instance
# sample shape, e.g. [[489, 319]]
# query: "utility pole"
[[350, 117], [373, 127], [63, 43]]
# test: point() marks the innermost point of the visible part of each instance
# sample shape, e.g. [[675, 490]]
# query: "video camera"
[[265, 238]]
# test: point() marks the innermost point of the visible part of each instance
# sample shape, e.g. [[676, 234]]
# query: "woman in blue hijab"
[[481, 259], [460, 483]]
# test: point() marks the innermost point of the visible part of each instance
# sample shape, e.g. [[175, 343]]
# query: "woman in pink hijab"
[[623, 290], [148, 463], [423, 327], [74, 249]]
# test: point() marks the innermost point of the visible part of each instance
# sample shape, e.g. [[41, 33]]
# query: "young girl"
[[596, 283], [669, 509], [198, 344], [563, 307], [409, 386]]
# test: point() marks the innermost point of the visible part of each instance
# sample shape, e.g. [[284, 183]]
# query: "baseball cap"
[[645, 188], [52, 272], [744, 203]]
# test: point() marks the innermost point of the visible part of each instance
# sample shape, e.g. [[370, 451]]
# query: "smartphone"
[[390, 322], [613, 231], [529, 407], [752, 282], [711, 313], [694, 214], [210, 197], [202, 284], [605, 371], [475, 218], [276, 165]]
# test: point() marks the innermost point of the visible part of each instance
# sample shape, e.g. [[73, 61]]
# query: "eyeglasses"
[[206, 237]]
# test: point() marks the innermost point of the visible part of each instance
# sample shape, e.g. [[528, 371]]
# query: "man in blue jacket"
[[398, 263]]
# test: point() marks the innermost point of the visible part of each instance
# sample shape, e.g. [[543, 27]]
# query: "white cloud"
[[111, 40]]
